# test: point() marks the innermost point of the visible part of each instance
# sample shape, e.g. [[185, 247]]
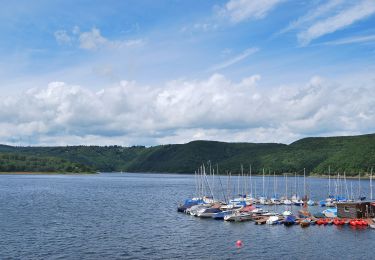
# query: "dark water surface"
[[133, 216]]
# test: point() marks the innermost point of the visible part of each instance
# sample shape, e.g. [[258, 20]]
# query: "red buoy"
[[239, 244]]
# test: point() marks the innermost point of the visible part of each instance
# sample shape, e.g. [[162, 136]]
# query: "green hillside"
[[352, 154], [22, 163]]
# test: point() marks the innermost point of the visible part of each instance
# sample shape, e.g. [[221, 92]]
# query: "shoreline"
[[46, 173], [333, 177]]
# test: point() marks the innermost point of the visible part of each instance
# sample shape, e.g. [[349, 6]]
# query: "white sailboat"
[[286, 201]]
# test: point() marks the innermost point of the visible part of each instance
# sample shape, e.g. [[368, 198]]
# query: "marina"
[[240, 201]]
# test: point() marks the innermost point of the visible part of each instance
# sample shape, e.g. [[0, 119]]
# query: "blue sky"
[[153, 72]]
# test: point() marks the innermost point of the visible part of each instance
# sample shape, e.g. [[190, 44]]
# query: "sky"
[[145, 72]]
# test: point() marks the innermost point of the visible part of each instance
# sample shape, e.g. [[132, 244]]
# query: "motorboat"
[[272, 220], [207, 212], [287, 213], [194, 209], [305, 222], [238, 216], [222, 214], [289, 220]]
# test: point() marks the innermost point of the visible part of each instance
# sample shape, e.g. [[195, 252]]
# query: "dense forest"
[[352, 154], [23, 163]]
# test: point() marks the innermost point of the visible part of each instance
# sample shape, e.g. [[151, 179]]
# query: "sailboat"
[[263, 198], [329, 201], [286, 201], [250, 199], [274, 199], [295, 198]]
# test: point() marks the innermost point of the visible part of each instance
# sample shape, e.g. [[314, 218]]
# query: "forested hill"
[[352, 154]]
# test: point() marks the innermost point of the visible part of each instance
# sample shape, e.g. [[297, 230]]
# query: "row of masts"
[[247, 185]]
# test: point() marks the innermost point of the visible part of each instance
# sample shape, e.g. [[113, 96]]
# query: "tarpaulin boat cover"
[[190, 202], [247, 208]]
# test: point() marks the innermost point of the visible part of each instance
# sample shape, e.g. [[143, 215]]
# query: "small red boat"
[[338, 221]]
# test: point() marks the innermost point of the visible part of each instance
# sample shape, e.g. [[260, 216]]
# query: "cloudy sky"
[[145, 72]]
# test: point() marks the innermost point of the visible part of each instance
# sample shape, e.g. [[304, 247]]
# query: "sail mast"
[[243, 182], [359, 185], [371, 184], [263, 184], [251, 185], [329, 180], [304, 182], [274, 184]]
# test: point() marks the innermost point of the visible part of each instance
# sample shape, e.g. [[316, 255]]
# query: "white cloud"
[[234, 60], [62, 37], [241, 10], [343, 19], [199, 27], [314, 14], [354, 39], [93, 40], [181, 110]]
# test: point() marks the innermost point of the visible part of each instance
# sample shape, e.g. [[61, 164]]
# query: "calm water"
[[133, 216]]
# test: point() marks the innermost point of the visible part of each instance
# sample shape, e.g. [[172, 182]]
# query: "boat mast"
[[196, 184], [371, 185], [243, 182], [221, 184], [359, 185], [207, 182], [251, 185], [346, 186], [304, 182], [286, 186], [238, 183], [329, 180], [274, 184], [263, 183], [202, 181], [228, 186], [255, 187], [213, 181]]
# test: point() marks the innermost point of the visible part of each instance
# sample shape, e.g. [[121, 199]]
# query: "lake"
[[133, 216]]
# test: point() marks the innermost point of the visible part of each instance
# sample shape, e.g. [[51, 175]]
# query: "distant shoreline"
[[290, 175], [45, 173]]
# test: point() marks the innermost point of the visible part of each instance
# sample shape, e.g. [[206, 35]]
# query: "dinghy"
[[305, 222], [272, 220], [289, 220]]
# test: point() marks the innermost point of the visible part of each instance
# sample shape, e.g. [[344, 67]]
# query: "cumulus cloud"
[[241, 10], [215, 108]]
